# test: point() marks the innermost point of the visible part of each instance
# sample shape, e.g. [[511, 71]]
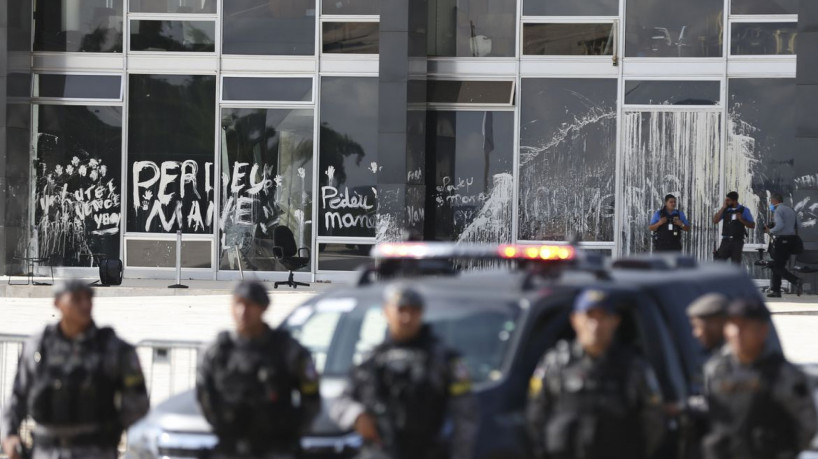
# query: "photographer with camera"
[[786, 243], [667, 225], [736, 220]]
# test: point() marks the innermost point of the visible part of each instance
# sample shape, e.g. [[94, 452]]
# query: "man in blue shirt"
[[737, 219], [785, 232], [667, 225]]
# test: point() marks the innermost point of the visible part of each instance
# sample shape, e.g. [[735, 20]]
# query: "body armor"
[[668, 237]]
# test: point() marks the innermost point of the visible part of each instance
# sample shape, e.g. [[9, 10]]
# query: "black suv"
[[501, 318]]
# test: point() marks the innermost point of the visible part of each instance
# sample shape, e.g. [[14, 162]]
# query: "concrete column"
[[402, 118]]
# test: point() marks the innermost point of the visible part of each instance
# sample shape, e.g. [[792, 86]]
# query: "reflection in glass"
[[567, 159], [469, 92], [348, 169], [571, 8], [350, 7], [187, 36], [343, 257], [764, 7], [69, 26], [78, 86], [763, 154], [472, 28], [350, 37], [568, 39], [171, 120], [78, 194], [763, 38], [263, 27], [173, 6], [658, 150], [162, 254], [284, 89], [469, 193], [670, 28], [267, 160], [656, 92]]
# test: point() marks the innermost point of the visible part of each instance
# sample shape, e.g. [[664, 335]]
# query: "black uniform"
[[81, 393], [588, 408], [733, 233], [761, 411], [668, 237], [410, 388], [245, 388]]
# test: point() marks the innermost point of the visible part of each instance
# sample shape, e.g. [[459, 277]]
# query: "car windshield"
[[340, 334]]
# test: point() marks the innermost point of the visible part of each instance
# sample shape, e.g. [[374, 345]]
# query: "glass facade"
[[239, 121]]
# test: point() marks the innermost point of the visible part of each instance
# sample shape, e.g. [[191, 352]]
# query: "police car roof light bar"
[[444, 250]]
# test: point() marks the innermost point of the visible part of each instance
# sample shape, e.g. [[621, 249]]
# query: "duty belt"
[[67, 437]]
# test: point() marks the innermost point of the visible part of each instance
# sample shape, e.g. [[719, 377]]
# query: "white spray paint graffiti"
[[670, 152], [76, 203], [567, 190], [169, 193], [344, 208], [492, 223]]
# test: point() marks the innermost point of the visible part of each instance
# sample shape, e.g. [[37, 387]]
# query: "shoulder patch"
[[460, 379]]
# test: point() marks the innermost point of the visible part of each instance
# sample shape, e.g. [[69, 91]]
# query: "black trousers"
[[730, 249], [781, 256]]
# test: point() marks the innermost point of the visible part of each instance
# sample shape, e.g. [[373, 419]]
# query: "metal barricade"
[[169, 366]]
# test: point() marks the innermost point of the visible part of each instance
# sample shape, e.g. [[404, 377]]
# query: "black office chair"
[[806, 264], [289, 255]]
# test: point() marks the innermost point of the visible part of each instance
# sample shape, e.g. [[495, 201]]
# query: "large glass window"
[[567, 159], [267, 183], [350, 7], [659, 92], [763, 154], [348, 167], [568, 39], [472, 28], [186, 36], [763, 38], [172, 122], [262, 27], [78, 86], [764, 7], [671, 28], [173, 6], [73, 26], [571, 8], [659, 150], [269, 89], [469, 195], [350, 37], [78, 193]]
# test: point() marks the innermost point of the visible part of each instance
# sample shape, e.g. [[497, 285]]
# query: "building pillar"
[[401, 118]]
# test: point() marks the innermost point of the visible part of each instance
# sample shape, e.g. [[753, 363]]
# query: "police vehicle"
[[501, 318]]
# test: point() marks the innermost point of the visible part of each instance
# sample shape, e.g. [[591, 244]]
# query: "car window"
[[314, 330], [481, 331]]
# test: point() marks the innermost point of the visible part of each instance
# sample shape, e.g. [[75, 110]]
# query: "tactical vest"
[[752, 423], [70, 395], [255, 389], [733, 229], [408, 395], [664, 238], [594, 414]]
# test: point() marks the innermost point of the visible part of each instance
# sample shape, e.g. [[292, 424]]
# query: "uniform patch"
[[461, 381]]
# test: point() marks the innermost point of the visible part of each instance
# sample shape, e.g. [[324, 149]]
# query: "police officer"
[[81, 385], [593, 398], [761, 405], [785, 232], [399, 398], [736, 219], [257, 386], [707, 315], [667, 225]]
